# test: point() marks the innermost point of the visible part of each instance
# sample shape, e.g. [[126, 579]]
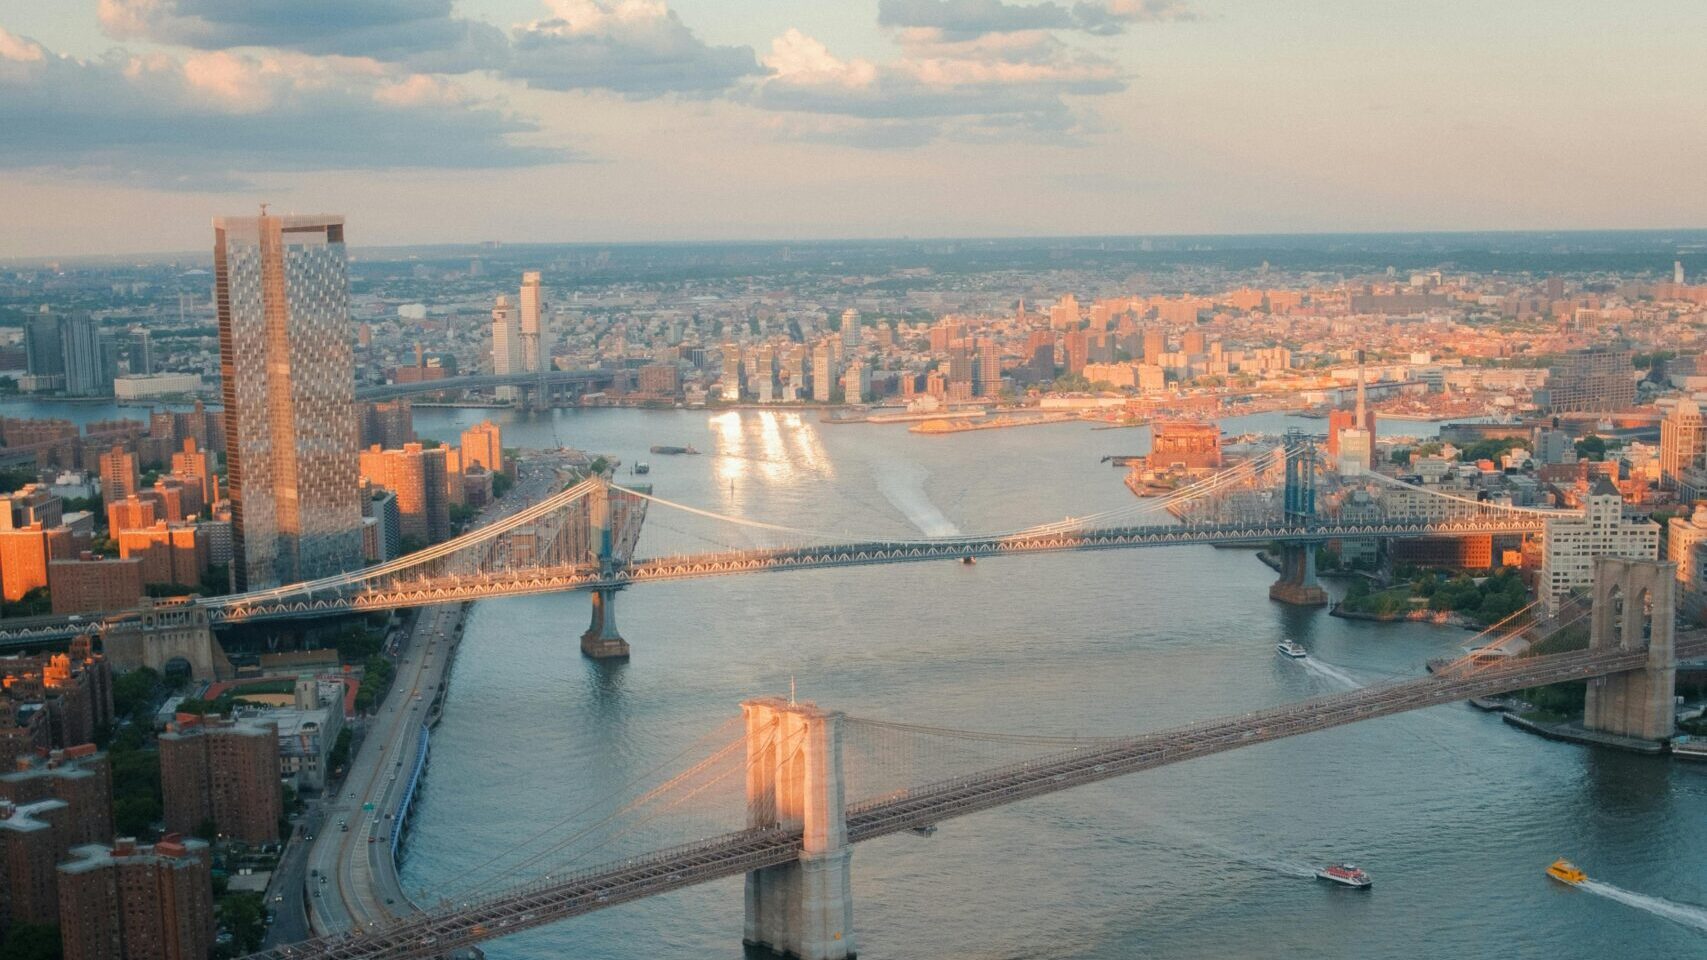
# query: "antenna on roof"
[[264, 209]]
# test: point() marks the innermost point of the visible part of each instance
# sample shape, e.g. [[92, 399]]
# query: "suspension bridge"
[[586, 538], [805, 784]]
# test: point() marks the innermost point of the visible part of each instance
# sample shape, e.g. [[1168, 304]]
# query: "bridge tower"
[[601, 641], [1297, 584], [802, 909], [1635, 608]]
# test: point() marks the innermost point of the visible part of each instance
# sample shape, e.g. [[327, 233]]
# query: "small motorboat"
[[925, 830], [968, 561], [642, 467], [1345, 874], [1566, 872], [1292, 648]]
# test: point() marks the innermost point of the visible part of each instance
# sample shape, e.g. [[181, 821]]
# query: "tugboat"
[[1292, 648], [1566, 872], [1345, 874]]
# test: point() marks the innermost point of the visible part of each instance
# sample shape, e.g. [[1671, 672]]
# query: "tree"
[[1592, 447], [135, 694], [14, 479]]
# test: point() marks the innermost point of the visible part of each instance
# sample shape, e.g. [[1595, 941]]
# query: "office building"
[[308, 729], [226, 771], [130, 901], [288, 369], [382, 524], [1572, 543]]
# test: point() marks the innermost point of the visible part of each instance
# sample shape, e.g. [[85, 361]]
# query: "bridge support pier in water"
[[602, 641], [1298, 584], [1635, 607], [802, 909]]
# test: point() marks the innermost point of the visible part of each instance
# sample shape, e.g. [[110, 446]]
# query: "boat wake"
[[903, 485], [1280, 865], [1690, 916], [1331, 672]]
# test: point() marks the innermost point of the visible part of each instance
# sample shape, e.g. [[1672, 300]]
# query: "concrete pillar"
[[794, 779], [1638, 703], [602, 641], [1298, 584]]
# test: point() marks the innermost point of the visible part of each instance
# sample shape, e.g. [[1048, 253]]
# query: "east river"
[[1452, 812]]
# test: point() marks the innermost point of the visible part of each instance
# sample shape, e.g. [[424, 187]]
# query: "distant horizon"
[[1683, 234]]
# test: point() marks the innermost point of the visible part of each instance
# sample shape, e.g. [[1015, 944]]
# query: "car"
[[317, 893], [372, 839], [278, 898]]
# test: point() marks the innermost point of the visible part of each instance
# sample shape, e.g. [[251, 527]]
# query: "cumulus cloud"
[[212, 119], [420, 34], [638, 48], [965, 19], [988, 88]]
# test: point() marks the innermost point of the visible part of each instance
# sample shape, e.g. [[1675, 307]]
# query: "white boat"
[[1292, 649], [1346, 874]]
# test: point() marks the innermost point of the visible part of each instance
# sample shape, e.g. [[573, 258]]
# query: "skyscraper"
[[850, 330], [282, 285], [989, 367], [506, 344], [531, 305]]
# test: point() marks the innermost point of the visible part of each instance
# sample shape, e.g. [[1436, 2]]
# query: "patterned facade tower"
[[287, 362], [801, 909]]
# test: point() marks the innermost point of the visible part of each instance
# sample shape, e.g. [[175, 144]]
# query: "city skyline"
[[633, 120]]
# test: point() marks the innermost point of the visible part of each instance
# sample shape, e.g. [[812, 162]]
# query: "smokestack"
[[1360, 394]]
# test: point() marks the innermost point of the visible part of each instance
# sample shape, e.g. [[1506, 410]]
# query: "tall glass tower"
[[282, 286]]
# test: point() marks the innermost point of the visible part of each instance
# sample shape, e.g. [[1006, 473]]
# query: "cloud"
[[992, 88], [420, 34], [966, 19], [638, 48], [211, 120]]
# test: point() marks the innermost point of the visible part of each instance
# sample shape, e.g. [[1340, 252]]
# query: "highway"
[[352, 880]]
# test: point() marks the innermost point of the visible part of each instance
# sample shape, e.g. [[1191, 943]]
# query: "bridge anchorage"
[[1298, 584]]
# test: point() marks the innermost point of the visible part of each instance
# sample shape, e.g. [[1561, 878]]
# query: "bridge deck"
[[436, 932]]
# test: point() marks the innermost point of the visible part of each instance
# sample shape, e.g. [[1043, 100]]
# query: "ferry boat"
[[1292, 648], [1566, 872], [1346, 874]]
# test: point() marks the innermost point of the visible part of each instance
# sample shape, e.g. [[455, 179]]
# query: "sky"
[[126, 125]]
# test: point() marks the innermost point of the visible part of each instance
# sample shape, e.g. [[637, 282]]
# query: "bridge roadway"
[[534, 904], [478, 586], [553, 378]]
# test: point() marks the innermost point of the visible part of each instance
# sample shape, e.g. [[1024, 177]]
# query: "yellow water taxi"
[[1564, 871]]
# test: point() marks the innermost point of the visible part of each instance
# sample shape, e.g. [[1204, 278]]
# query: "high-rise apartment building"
[[1572, 543], [1597, 380], [129, 901], [1686, 546], [730, 385], [533, 305], [483, 445], [32, 840], [823, 372], [506, 344], [196, 465], [224, 771], [989, 367], [282, 286], [850, 330], [118, 474], [417, 475], [1683, 440]]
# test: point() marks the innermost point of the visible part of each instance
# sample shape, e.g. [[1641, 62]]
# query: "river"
[[1452, 812]]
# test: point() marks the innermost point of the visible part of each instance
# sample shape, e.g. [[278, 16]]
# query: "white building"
[[506, 345], [1572, 543], [158, 385], [1686, 546]]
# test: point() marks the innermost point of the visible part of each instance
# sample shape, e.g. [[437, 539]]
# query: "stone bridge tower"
[[1635, 608]]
